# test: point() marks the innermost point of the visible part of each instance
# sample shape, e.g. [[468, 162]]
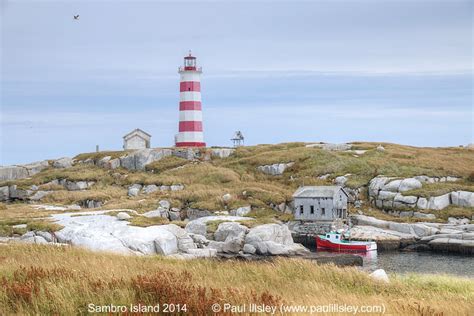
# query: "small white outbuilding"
[[136, 139]]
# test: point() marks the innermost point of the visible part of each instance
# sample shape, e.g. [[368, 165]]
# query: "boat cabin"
[[320, 203]]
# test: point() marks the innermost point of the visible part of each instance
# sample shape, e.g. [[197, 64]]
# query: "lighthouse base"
[[190, 144]]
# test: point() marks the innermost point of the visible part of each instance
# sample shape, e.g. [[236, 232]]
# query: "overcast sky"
[[333, 71]]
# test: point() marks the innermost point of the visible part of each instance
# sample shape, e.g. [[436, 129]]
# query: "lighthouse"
[[190, 108]]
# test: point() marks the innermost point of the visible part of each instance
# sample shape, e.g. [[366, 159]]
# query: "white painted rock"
[[198, 225]]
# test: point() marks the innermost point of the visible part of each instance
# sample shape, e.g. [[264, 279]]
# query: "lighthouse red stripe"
[[190, 106], [190, 126], [190, 86], [190, 144]]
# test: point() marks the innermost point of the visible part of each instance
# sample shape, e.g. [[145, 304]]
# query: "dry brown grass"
[[51, 280]]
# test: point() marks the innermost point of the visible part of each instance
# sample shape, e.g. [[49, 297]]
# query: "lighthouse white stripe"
[[190, 96], [190, 137], [190, 76], [190, 116]]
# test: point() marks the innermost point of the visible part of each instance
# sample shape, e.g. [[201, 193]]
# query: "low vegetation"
[[207, 181], [62, 280]]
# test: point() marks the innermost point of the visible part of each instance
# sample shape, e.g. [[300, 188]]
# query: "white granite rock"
[[380, 275]]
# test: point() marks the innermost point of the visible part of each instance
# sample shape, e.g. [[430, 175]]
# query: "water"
[[419, 262]]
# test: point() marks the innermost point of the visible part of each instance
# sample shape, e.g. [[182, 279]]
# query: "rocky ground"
[[237, 202]]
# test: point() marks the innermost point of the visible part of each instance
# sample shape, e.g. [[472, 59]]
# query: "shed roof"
[[136, 131], [318, 191]]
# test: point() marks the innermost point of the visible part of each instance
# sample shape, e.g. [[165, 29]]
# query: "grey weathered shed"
[[320, 203], [136, 139]]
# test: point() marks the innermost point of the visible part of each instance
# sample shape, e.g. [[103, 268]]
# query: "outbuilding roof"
[[136, 131], [318, 191]]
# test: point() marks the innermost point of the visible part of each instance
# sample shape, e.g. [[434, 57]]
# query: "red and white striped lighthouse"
[[190, 109]]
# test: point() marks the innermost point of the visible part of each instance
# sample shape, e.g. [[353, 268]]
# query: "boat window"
[[337, 237], [327, 236]]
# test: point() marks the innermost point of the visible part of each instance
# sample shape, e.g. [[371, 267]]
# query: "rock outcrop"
[[392, 235], [221, 152], [65, 162], [137, 160], [275, 169], [387, 193], [22, 171]]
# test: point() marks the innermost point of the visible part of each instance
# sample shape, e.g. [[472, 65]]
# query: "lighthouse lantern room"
[[190, 108]]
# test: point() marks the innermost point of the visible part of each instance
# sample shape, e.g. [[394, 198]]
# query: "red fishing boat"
[[335, 241]]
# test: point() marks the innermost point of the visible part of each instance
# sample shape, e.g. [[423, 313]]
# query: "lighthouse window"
[[312, 209]]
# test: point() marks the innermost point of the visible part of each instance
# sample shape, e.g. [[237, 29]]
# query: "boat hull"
[[322, 243]]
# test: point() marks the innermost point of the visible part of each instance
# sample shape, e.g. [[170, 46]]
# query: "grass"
[[143, 221], [39, 279], [99, 155], [166, 164], [7, 229], [206, 182]]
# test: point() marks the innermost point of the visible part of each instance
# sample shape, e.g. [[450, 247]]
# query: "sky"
[[279, 71]]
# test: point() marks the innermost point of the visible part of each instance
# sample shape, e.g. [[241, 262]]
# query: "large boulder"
[[241, 211], [409, 184], [392, 186], [341, 180], [405, 199], [380, 275], [159, 212], [439, 202], [230, 230], [123, 216], [4, 193], [134, 189], [185, 242], [63, 163], [376, 184], [369, 221], [422, 203], [275, 169], [137, 160], [386, 195], [12, 173], [77, 186], [38, 195], [273, 239], [147, 189], [19, 194], [221, 152], [463, 198], [269, 232]]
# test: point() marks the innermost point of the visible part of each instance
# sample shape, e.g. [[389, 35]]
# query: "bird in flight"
[[76, 17]]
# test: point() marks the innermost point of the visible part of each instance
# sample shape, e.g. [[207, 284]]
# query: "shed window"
[[301, 209], [312, 209], [323, 211]]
